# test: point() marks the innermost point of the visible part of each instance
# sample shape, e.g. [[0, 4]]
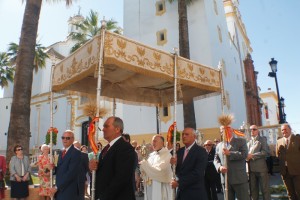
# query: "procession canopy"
[[133, 72]]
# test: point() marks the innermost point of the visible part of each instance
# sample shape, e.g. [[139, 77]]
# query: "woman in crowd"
[[45, 166], [2, 175], [19, 168]]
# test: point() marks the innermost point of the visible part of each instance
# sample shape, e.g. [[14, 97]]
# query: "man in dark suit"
[[116, 164], [68, 167], [235, 152], [211, 172], [257, 166], [288, 152], [84, 168], [190, 169]]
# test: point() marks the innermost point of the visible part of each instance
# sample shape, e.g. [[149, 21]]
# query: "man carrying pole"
[[229, 161]]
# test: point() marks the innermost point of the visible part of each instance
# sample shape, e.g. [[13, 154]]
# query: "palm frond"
[[6, 71]]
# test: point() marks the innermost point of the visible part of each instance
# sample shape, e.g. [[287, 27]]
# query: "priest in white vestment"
[[157, 172]]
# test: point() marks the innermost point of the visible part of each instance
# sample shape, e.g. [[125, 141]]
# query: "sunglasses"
[[19, 149], [67, 138], [253, 129]]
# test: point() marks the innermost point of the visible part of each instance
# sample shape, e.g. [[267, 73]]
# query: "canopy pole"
[[223, 97], [51, 124], [114, 106], [100, 73], [223, 102], [175, 117]]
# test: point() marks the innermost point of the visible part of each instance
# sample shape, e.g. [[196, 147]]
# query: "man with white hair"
[[157, 172], [190, 169], [68, 167]]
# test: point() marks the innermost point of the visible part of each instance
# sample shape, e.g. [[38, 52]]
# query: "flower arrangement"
[[54, 135]]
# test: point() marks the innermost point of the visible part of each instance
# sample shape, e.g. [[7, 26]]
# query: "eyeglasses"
[[253, 129], [67, 138], [19, 149], [208, 145]]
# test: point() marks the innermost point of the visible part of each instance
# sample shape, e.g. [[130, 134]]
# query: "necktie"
[[185, 153], [63, 154], [104, 151], [287, 143]]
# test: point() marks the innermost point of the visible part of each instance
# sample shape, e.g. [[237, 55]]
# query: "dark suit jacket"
[[67, 175], [191, 173], [236, 161], [114, 176], [84, 168], [291, 155], [211, 172]]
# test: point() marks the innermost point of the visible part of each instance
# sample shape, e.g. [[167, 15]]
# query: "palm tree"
[[89, 28], [39, 58], [19, 124], [184, 51], [6, 71]]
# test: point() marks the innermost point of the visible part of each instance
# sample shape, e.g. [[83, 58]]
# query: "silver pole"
[[51, 125], [175, 115], [223, 102], [100, 73]]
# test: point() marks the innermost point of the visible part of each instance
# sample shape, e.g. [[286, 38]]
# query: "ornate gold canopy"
[[133, 72]]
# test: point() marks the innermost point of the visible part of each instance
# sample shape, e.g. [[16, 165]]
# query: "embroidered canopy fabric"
[[133, 72]]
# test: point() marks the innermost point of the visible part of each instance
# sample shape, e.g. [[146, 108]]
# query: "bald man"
[[157, 172], [257, 166], [288, 152], [190, 169]]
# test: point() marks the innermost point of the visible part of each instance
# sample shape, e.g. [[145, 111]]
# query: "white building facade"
[[216, 34], [217, 37]]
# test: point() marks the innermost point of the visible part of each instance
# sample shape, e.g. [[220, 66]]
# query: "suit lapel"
[[188, 156], [67, 155], [110, 151]]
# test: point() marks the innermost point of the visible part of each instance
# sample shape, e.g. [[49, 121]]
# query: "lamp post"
[[273, 65], [282, 107]]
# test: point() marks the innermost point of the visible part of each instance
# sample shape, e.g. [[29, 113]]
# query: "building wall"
[[5, 106], [209, 44], [271, 103], [252, 96]]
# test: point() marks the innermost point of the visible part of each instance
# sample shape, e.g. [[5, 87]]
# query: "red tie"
[[104, 151], [287, 143], [63, 154]]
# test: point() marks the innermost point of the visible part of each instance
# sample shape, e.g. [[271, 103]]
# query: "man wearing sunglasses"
[[257, 166], [68, 167]]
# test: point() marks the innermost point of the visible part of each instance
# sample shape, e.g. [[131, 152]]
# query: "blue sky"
[[273, 29], [271, 25]]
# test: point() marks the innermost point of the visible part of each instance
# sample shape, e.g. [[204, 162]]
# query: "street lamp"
[[273, 65]]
